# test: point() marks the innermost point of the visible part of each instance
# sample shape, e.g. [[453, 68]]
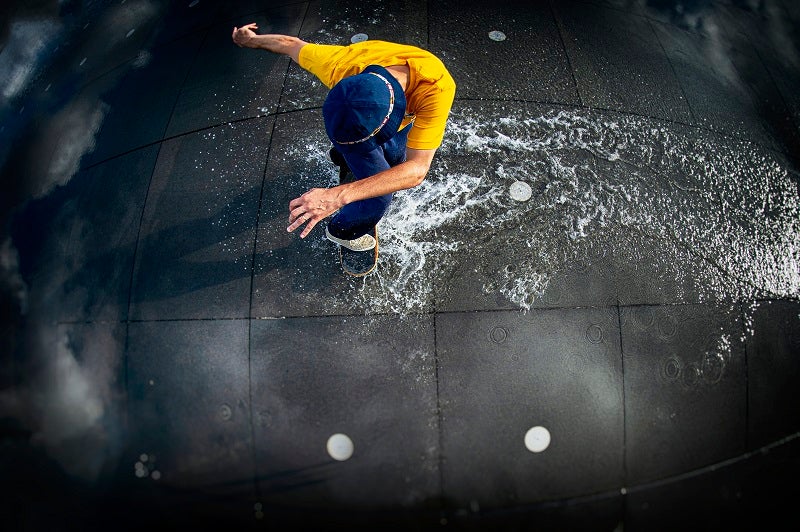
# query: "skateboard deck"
[[359, 263]]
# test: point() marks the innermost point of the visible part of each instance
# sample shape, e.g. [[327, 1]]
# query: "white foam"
[[722, 216]]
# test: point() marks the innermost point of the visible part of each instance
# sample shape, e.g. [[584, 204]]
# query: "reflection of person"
[[385, 115]]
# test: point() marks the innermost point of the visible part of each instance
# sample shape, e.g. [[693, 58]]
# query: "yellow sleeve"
[[319, 59], [431, 118]]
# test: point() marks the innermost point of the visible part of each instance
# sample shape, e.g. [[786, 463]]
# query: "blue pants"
[[358, 218]]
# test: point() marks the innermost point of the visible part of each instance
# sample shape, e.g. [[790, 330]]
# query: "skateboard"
[[359, 263]]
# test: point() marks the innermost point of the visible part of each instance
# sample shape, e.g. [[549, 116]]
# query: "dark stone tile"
[[754, 491], [336, 22], [601, 512], [228, 83], [773, 345], [372, 379], [296, 277], [714, 91], [140, 97], [685, 388], [765, 49], [710, 500], [193, 16], [792, 10], [190, 408], [194, 257], [78, 243], [619, 64], [529, 65], [502, 373]]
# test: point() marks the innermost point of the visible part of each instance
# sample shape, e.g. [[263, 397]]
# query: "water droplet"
[[359, 37], [497, 35]]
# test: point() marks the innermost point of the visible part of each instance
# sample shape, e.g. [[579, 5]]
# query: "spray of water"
[[610, 184]]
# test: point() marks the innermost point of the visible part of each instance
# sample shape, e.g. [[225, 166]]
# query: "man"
[[385, 116]]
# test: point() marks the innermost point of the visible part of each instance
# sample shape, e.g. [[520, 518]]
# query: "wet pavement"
[[586, 318]]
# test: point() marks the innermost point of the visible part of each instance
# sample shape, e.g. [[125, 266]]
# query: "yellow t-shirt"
[[430, 90]]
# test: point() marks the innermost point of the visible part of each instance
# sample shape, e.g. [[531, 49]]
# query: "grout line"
[[438, 414], [256, 484], [743, 324], [765, 144], [134, 257], [559, 28], [624, 410], [674, 72], [719, 303]]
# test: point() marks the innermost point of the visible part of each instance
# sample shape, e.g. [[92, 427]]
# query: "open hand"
[[311, 207], [242, 36]]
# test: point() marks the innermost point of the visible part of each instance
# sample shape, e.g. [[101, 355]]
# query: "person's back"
[[385, 115]]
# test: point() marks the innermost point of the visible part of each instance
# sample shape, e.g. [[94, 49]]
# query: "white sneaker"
[[362, 243]]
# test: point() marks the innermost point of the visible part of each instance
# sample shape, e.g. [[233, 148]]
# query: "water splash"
[[715, 217]]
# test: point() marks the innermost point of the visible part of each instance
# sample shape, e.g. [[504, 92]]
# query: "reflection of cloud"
[[11, 282], [69, 402], [20, 58], [69, 136]]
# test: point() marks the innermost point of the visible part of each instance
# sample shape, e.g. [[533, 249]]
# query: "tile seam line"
[[674, 72], [727, 302], [743, 317], [642, 487], [256, 484], [129, 306], [624, 401], [699, 127], [559, 27], [273, 114], [438, 312]]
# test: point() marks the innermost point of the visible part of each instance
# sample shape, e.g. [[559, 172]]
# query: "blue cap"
[[363, 111]]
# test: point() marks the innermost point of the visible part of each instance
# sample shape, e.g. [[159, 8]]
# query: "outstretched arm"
[[246, 37], [319, 203]]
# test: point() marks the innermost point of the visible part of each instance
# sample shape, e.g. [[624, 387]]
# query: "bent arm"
[[318, 203], [245, 37], [405, 175]]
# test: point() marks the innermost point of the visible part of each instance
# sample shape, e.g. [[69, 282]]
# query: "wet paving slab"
[[83, 238], [508, 51], [342, 23], [218, 90], [367, 438], [619, 64], [194, 256], [522, 440], [773, 342], [140, 104], [584, 318], [189, 413], [686, 388]]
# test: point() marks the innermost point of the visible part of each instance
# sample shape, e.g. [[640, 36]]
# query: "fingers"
[[242, 32], [298, 217], [308, 209]]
